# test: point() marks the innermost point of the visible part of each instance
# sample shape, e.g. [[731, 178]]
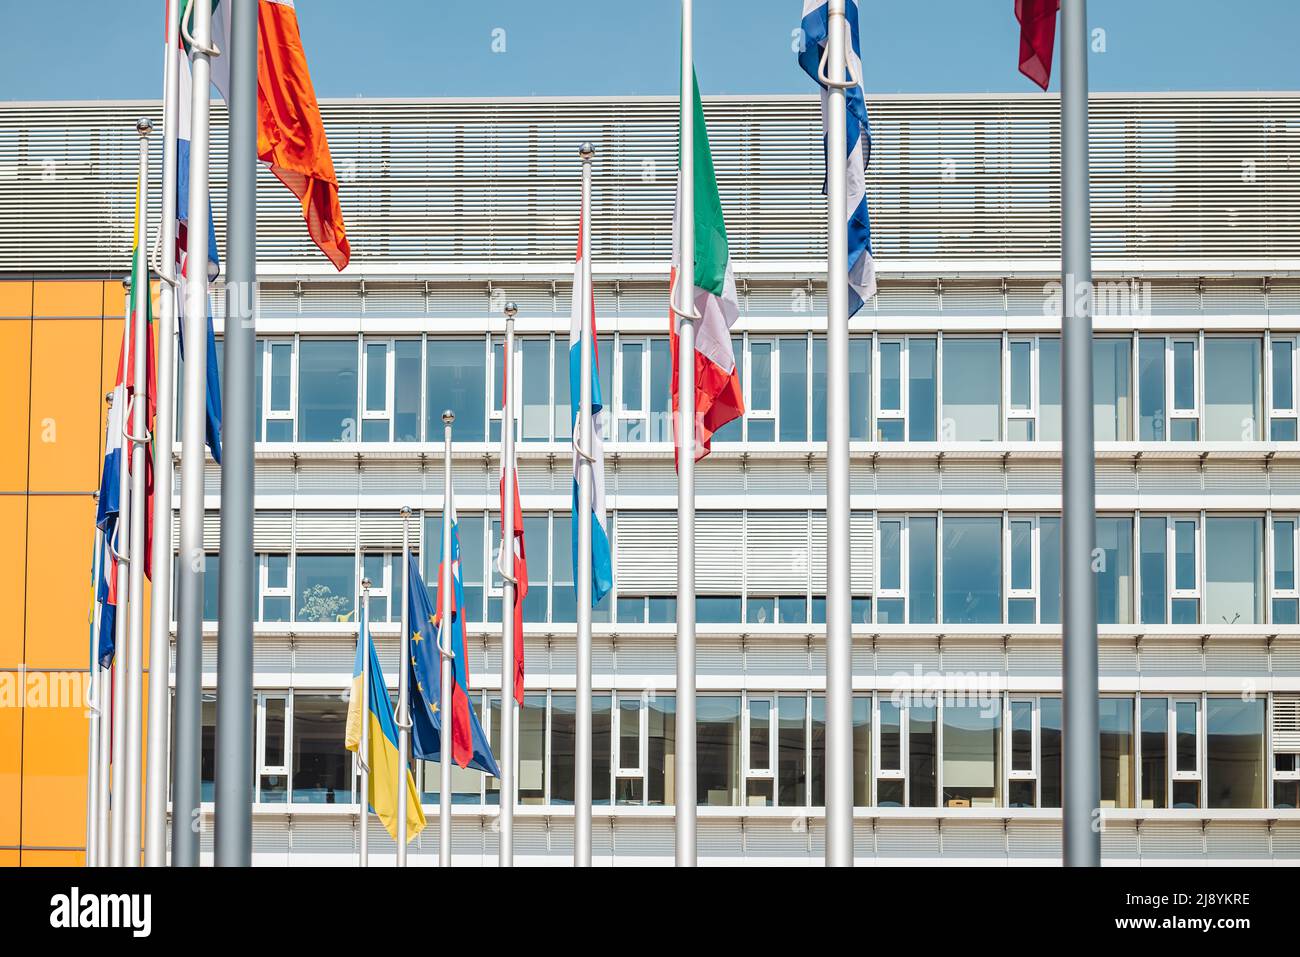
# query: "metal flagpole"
[[93, 754], [234, 753], [155, 795], [445, 654], [586, 441], [506, 568], [403, 690], [122, 547], [139, 438], [363, 748], [186, 821], [684, 307], [839, 632], [1081, 837]]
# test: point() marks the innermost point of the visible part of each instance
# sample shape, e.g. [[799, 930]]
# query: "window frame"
[[752, 412], [269, 413], [260, 736], [1013, 414], [264, 588], [386, 414]]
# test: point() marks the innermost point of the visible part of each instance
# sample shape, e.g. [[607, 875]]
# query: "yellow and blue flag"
[[382, 759]]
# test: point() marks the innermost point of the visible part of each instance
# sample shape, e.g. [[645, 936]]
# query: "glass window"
[[922, 756], [322, 767], [794, 389], [1113, 568], [717, 734], [760, 390], [1151, 389], [1115, 722], [922, 590], [537, 540], [972, 769], [211, 585], [325, 587], [1235, 769], [1232, 376], [922, 399], [532, 748], [562, 415], [535, 389], [1050, 754], [817, 751], [564, 598], [406, 391], [791, 751], [861, 750], [279, 425], [661, 759], [717, 609], [275, 592], [1283, 423], [563, 740], [456, 373], [972, 570], [1049, 570], [1153, 549], [972, 385], [817, 394], [1110, 387], [1155, 752], [375, 424], [859, 388], [327, 390], [889, 787], [661, 400], [1234, 570], [1049, 390]]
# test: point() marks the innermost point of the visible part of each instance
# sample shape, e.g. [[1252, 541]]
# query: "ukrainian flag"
[[382, 758]]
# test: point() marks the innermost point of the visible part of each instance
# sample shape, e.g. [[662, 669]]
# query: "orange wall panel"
[[13, 574], [8, 858], [54, 859], [68, 299], [15, 299], [54, 776], [15, 393], [60, 544], [66, 404], [11, 750]]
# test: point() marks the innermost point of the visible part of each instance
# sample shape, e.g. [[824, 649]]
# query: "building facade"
[[455, 207]]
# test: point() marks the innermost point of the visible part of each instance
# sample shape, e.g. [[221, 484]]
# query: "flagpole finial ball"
[[586, 151], [108, 398], [126, 283], [405, 511], [511, 310], [143, 126], [448, 417], [365, 584]]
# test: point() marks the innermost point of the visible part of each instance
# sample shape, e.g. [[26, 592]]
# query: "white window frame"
[[1172, 413], [1273, 591], [881, 772], [264, 589], [378, 589], [904, 524], [275, 769], [1014, 518], [1171, 539], [386, 413], [883, 414], [1029, 415], [620, 771], [624, 414], [270, 414], [751, 773], [752, 412], [1035, 736], [1174, 773], [1292, 412]]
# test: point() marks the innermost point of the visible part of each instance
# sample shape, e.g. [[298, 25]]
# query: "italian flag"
[[718, 398]]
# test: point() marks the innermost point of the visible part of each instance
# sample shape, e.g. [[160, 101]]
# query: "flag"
[[470, 746], [1037, 20], [718, 398], [290, 136], [212, 418], [382, 758], [519, 556], [602, 568], [106, 598], [861, 265]]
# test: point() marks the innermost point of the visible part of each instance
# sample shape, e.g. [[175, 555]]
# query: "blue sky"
[[612, 47]]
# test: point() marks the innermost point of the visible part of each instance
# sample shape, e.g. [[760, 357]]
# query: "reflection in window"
[[717, 735], [1115, 722], [1114, 571], [972, 570], [456, 379], [322, 767], [972, 768], [1155, 752], [794, 389], [972, 387], [327, 390], [325, 586], [1235, 768], [1232, 383], [1112, 417], [922, 397], [1234, 592]]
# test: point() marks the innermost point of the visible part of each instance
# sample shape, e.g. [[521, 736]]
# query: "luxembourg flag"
[[602, 568], [212, 419], [862, 268]]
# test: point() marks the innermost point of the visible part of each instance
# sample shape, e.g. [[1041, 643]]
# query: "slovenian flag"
[[718, 397], [602, 568], [469, 745], [290, 136], [382, 759], [212, 418], [862, 268]]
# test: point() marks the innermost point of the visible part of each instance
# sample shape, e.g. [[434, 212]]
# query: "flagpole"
[[1081, 839], [403, 690], [586, 441], [839, 634], [122, 547], [445, 722], [236, 601], [363, 748], [93, 753], [155, 795], [506, 567], [684, 307], [139, 439], [186, 806]]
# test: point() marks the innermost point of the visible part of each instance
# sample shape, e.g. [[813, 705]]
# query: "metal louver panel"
[[272, 531], [1286, 722], [211, 530], [335, 531], [776, 552], [471, 179], [817, 553], [719, 537], [646, 553], [862, 552], [383, 530]]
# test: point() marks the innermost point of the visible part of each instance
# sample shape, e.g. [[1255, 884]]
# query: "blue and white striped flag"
[[862, 269]]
